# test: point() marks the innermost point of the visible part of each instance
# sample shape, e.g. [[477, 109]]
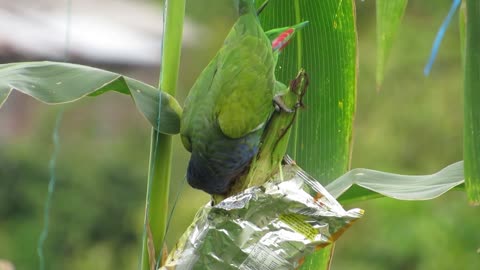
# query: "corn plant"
[[321, 138]]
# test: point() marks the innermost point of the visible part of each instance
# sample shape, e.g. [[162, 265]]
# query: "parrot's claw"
[[299, 105], [280, 105], [299, 87]]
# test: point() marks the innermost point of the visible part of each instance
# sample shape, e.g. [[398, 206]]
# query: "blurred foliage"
[[414, 125]]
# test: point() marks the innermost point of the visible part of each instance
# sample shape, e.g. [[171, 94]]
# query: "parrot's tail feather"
[[283, 39], [285, 36], [280, 37]]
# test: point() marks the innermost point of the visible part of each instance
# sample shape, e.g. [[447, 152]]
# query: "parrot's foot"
[[280, 105], [298, 86]]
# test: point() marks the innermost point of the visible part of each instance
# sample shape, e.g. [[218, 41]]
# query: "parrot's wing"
[[246, 79], [198, 105]]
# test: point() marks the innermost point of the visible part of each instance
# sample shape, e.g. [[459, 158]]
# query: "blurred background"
[[412, 126]]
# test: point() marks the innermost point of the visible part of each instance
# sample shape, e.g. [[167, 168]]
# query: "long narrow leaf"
[[327, 49], [389, 16], [55, 83], [471, 146], [374, 184]]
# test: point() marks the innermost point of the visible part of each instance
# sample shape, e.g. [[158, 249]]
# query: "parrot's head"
[[201, 175]]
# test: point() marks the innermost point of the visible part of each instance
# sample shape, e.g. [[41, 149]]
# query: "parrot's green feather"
[[236, 95], [199, 104], [245, 102]]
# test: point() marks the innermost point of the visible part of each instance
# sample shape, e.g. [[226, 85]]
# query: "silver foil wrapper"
[[273, 226]]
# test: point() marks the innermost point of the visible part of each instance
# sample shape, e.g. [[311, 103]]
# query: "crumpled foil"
[[270, 227]]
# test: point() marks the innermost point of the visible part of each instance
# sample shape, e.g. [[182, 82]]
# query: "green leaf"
[[471, 147], [362, 184], [389, 16], [327, 49], [56, 83], [4, 95]]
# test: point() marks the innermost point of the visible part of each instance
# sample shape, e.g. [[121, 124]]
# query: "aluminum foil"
[[273, 226]]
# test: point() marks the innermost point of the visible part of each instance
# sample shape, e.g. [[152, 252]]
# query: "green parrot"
[[231, 102]]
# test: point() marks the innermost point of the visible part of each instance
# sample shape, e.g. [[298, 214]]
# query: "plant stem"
[[471, 140], [161, 144]]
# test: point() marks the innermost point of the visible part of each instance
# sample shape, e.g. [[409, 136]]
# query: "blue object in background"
[[439, 37]]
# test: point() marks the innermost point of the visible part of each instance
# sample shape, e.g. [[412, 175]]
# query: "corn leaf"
[[327, 49], [389, 16], [362, 184], [471, 148], [55, 83]]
